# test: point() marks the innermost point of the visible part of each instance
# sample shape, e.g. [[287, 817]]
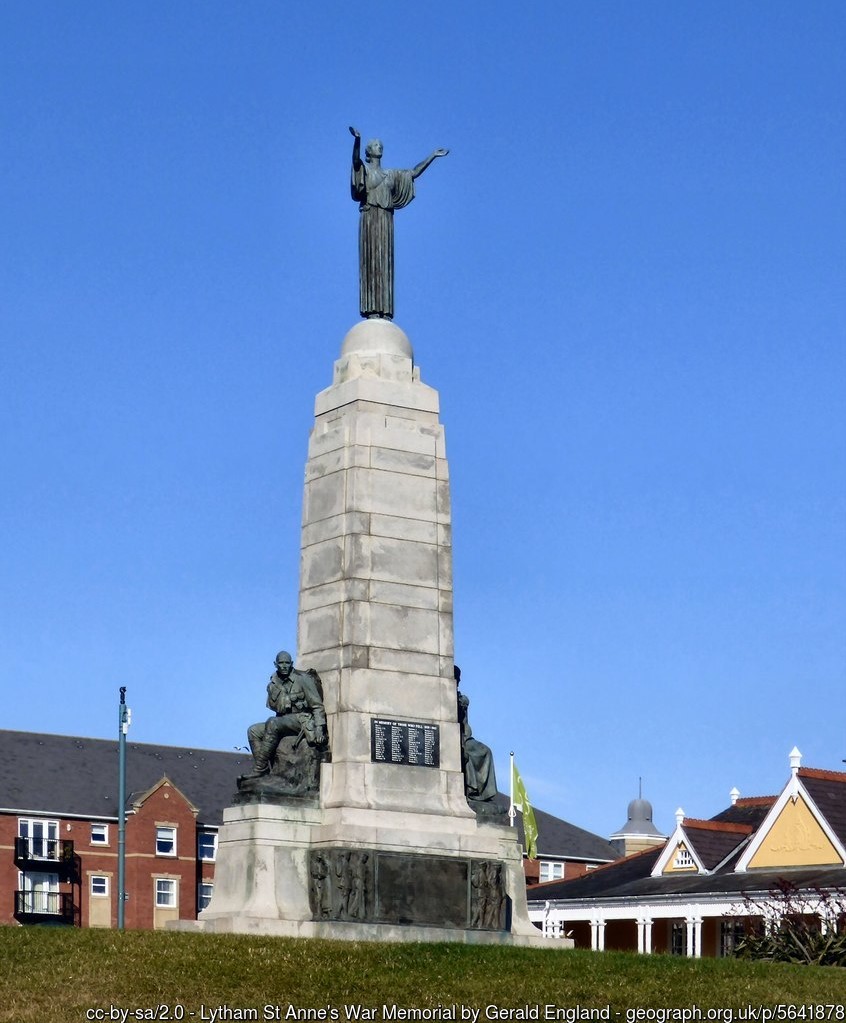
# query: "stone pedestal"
[[391, 849]]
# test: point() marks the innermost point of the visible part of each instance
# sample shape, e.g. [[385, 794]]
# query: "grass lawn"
[[56, 975]]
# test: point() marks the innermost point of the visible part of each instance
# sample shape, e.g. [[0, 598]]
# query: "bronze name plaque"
[[404, 742]]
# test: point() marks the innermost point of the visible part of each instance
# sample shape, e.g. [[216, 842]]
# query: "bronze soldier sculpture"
[[297, 701]]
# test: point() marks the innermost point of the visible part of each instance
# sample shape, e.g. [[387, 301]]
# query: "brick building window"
[[42, 838], [39, 892], [551, 871], [99, 834], [165, 841], [204, 894], [99, 885], [207, 845], [165, 893]]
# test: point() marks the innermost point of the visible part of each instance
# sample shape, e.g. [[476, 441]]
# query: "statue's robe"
[[479, 773], [379, 192]]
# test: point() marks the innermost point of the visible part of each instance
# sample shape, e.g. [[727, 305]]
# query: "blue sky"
[[626, 281]]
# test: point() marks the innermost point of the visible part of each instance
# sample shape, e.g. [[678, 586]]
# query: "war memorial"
[[369, 812]]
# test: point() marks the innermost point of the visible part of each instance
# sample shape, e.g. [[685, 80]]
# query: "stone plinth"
[[368, 875]]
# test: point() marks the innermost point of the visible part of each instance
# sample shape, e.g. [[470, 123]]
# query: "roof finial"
[[795, 760], [734, 795]]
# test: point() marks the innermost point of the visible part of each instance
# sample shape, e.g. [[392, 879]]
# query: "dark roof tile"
[[747, 811], [560, 839], [65, 774], [596, 883], [713, 844], [828, 791]]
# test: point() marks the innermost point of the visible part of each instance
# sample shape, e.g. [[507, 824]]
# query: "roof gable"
[[795, 833], [698, 846], [683, 859], [678, 855], [163, 782], [795, 838]]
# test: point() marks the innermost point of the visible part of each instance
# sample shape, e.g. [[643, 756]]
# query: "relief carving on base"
[[487, 896], [341, 884]]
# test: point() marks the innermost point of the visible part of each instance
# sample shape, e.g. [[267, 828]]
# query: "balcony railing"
[[54, 854], [45, 907]]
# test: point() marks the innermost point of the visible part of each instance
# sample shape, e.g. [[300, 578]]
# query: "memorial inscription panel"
[[404, 742]]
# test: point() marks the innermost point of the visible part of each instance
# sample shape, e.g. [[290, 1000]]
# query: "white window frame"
[[201, 905], [213, 836], [678, 937], [161, 840], [99, 829], [106, 886], [26, 825], [683, 859], [41, 892], [166, 893], [553, 869]]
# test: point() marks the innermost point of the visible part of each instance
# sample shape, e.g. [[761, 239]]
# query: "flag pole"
[[512, 813]]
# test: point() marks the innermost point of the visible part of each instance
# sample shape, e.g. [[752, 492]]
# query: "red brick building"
[[59, 829]]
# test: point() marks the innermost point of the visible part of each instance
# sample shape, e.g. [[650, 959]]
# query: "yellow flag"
[[521, 802]]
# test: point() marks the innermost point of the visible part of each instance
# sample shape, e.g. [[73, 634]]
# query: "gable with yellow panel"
[[681, 862], [795, 840]]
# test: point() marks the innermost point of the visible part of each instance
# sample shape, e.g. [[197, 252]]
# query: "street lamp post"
[[124, 717]]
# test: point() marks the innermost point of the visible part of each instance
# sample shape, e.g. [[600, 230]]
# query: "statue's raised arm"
[[356, 153], [379, 192], [418, 170]]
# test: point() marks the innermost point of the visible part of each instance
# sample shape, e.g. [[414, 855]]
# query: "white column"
[[644, 935], [691, 936], [597, 934], [694, 935]]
